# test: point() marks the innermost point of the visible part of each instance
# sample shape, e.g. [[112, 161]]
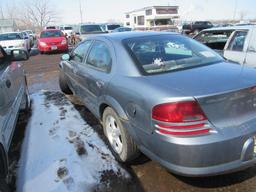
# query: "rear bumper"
[[201, 156]]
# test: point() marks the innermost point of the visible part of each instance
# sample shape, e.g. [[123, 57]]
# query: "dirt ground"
[[149, 176]]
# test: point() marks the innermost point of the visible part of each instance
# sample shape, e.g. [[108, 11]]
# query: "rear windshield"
[[46, 34], [90, 29], [164, 53], [112, 27], [10, 36], [68, 28]]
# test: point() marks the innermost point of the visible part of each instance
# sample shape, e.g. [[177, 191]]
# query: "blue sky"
[[105, 10]]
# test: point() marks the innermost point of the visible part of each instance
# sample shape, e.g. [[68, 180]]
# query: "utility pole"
[[81, 11], [1, 12], [235, 10]]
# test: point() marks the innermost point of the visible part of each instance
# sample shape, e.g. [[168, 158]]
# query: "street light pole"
[[81, 11], [235, 10]]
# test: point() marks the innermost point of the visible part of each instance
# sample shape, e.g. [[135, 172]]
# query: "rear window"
[[90, 29], [164, 53], [46, 34], [112, 27], [214, 39], [10, 36], [68, 28]]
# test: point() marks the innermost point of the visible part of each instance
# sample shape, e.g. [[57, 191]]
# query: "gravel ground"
[[149, 176]]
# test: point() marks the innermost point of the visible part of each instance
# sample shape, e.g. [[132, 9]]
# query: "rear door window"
[[80, 51], [99, 57], [238, 40]]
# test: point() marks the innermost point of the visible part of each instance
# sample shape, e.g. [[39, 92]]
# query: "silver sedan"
[[168, 96]]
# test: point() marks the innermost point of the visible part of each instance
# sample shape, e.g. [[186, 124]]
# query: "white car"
[[14, 40], [235, 43], [28, 39], [67, 30]]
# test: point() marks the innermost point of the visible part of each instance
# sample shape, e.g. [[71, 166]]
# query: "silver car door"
[[235, 49], [98, 71], [250, 59]]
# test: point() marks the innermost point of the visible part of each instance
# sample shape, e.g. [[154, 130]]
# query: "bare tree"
[[38, 13]]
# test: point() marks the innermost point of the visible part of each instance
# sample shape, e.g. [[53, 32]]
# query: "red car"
[[52, 40]]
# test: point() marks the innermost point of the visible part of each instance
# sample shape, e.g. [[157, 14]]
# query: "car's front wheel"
[[63, 84], [121, 143]]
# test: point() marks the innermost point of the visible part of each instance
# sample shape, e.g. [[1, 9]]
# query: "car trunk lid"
[[226, 92]]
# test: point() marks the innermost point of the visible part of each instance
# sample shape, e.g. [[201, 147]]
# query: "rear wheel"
[[121, 143], [4, 186], [63, 84]]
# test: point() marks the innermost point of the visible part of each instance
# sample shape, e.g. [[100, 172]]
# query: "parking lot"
[[145, 175]]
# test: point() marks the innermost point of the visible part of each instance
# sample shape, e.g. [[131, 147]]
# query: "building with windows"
[[150, 18]]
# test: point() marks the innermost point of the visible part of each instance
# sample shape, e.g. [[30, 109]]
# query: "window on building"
[[127, 16], [127, 23], [141, 20], [149, 12], [135, 20], [167, 11]]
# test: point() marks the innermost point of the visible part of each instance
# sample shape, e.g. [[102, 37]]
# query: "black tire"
[[130, 150], [4, 186], [63, 84], [41, 52]]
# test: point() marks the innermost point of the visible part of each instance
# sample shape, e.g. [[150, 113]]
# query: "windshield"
[[112, 27], [29, 32], [163, 53], [10, 36], [67, 28], [46, 34], [90, 29]]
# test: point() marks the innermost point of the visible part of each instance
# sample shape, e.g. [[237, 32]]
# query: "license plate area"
[[54, 47]]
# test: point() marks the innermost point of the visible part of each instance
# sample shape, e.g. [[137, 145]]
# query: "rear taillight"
[[180, 118]]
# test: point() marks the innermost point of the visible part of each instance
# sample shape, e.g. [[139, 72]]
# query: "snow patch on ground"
[[61, 152]]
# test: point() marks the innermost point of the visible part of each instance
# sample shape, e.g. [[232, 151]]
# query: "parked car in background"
[[234, 43], [67, 30], [52, 40], [86, 30], [31, 34], [110, 27], [215, 38], [29, 40], [14, 40], [196, 27], [174, 99], [51, 27], [14, 96], [122, 29]]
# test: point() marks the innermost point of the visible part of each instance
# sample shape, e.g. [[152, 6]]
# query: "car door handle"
[[8, 83], [99, 84]]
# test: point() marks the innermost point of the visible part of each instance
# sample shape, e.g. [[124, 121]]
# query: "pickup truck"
[[196, 27], [14, 96], [237, 44]]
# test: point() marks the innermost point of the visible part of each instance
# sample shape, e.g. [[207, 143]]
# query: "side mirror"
[[19, 55], [65, 57]]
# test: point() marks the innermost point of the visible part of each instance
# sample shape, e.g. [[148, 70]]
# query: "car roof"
[[10, 33], [230, 28], [128, 35]]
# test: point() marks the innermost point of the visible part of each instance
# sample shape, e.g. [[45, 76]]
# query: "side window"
[[99, 56], [80, 51], [252, 46], [238, 40]]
